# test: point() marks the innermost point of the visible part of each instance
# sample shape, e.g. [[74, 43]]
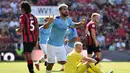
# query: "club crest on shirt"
[[93, 25]]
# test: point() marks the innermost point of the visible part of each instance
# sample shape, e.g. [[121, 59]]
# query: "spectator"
[[101, 40], [112, 47], [4, 22], [14, 5], [121, 31], [14, 22], [121, 45]]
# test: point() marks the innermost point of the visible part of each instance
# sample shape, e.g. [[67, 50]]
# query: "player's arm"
[[87, 32], [94, 37], [79, 24], [21, 21], [72, 40], [20, 29], [90, 60], [47, 24]]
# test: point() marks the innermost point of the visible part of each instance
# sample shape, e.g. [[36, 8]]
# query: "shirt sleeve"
[[93, 26], [21, 20], [75, 33], [71, 23], [51, 25]]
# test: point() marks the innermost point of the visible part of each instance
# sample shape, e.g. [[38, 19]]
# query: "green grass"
[[20, 67]]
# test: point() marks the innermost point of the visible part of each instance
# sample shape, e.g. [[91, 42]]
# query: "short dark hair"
[[26, 6]]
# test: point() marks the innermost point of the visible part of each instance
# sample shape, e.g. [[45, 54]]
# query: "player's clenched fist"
[[83, 21], [51, 19]]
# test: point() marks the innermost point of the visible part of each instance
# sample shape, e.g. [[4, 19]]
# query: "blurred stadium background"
[[113, 30]]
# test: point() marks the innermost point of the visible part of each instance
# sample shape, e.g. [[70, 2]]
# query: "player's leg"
[[98, 53], [89, 51], [95, 68], [89, 67], [28, 47], [44, 49], [89, 70], [61, 55], [42, 58], [68, 50], [51, 53], [82, 67]]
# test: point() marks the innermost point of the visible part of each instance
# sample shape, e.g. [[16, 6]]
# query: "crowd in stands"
[[113, 30], [9, 15]]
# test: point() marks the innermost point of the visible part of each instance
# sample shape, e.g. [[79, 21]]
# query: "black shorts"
[[28, 47], [91, 49]]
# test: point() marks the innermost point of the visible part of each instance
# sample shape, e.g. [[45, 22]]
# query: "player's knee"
[[94, 68], [62, 62], [49, 66], [27, 56], [97, 49], [45, 56]]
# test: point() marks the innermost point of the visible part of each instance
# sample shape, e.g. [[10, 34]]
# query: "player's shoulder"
[[57, 17], [73, 29], [21, 16], [33, 16], [69, 18], [90, 23]]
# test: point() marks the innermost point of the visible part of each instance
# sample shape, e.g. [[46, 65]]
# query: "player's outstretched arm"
[[47, 24], [90, 60], [79, 24], [72, 40]]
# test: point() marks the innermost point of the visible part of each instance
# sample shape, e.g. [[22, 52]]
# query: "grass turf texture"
[[20, 67]]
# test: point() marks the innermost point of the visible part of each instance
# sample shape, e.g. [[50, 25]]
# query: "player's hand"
[[66, 41], [17, 31], [83, 21], [51, 19]]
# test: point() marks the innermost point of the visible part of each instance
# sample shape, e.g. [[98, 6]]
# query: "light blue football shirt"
[[71, 33], [44, 35], [58, 31]]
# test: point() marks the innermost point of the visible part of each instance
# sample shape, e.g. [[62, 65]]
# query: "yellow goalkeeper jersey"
[[73, 59]]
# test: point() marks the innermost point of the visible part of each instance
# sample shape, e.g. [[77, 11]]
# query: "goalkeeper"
[[76, 63]]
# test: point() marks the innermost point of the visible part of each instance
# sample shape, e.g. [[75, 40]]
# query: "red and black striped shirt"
[[89, 39], [29, 23]]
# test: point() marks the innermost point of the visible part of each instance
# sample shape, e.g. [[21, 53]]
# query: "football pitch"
[[20, 67]]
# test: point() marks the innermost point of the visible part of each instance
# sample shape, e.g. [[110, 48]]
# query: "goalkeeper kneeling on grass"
[[76, 63]]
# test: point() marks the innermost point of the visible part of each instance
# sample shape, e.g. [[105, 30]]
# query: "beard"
[[65, 14]]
